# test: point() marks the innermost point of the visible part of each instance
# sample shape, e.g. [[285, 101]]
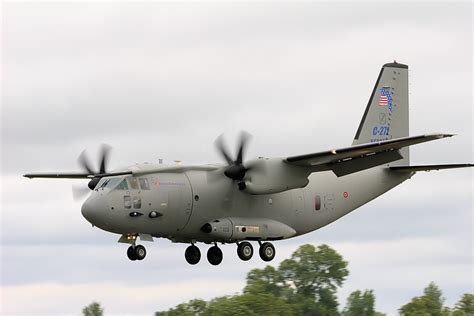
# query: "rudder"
[[386, 115]]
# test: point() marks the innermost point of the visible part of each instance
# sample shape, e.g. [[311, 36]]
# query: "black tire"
[[140, 252], [245, 251], [267, 251], [192, 254], [131, 253], [214, 255]]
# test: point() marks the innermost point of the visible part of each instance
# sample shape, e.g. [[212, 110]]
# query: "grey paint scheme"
[[183, 218], [282, 197]]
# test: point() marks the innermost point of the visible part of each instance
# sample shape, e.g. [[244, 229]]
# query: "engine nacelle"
[[240, 228], [269, 176]]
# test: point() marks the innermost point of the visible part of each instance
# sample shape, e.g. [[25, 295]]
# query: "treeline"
[[306, 284]]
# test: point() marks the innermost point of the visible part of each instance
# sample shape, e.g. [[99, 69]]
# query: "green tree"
[[93, 309], [360, 304], [430, 304], [192, 308], [311, 270], [314, 274], [227, 306], [465, 306], [266, 280], [305, 284]]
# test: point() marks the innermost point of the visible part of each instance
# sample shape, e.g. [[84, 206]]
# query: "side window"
[[127, 201], [123, 185], [144, 183], [137, 202], [133, 183], [317, 202]]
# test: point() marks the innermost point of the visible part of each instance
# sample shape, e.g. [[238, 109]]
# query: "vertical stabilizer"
[[386, 114]]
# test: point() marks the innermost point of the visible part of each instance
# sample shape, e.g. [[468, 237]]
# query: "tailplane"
[[386, 115]]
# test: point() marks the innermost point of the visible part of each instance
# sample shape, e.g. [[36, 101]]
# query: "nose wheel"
[[137, 252]]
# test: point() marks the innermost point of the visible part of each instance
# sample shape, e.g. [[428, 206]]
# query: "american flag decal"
[[385, 98]]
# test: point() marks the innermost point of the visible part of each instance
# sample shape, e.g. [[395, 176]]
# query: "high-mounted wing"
[[348, 160], [428, 168], [75, 175]]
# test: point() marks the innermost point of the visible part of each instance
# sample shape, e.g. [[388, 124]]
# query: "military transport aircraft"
[[261, 200]]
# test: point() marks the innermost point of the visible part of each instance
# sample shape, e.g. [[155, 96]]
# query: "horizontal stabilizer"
[[430, 167]]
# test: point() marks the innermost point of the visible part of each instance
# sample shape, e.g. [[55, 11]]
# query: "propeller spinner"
[[86, 165], [235, 169]]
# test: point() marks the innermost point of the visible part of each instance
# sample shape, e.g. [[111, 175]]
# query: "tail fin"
[[386, 114]]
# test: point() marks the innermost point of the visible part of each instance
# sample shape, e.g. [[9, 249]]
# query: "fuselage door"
[[178, 208]]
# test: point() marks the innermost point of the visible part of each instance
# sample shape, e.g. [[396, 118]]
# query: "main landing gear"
[[136, 252], [244, 251]]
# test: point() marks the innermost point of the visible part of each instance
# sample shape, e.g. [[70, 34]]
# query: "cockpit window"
[[132, 181], [111, 183], [144, 183], [101, 183], [122, 185]]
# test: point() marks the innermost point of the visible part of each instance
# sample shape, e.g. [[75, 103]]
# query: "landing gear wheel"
[[192, 254], [214, 255], [140, 252], [267, 251], [245, 251], [131, 253]]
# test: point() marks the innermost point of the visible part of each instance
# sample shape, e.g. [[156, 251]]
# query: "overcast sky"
[[161, 80]]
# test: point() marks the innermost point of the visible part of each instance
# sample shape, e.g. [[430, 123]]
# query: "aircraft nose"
[[94, 209]]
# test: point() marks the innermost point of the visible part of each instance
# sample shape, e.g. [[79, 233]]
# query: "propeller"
[[87, 166], [79, 192], [235, 169]]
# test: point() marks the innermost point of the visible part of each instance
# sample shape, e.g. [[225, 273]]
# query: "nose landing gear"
[[137, 252]]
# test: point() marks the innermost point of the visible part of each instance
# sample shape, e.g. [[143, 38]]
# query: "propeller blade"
[[222, 149], [79, 192], [244, 138], [104, 155], [84, 162]]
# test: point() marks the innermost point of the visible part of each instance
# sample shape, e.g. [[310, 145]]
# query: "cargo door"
[[177, 209]]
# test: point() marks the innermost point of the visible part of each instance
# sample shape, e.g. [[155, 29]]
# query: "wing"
[[348, 160], [75, 175], [428, 168]]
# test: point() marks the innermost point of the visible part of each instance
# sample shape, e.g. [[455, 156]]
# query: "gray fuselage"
[[177, 205]]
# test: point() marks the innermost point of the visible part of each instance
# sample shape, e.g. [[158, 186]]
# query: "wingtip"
[[441, 135]]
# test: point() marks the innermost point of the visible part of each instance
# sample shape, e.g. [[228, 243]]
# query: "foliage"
[[93, 309], [311, 270], [431, 303], [465, 306], [305, 284], [360, 304], [193, 307]]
